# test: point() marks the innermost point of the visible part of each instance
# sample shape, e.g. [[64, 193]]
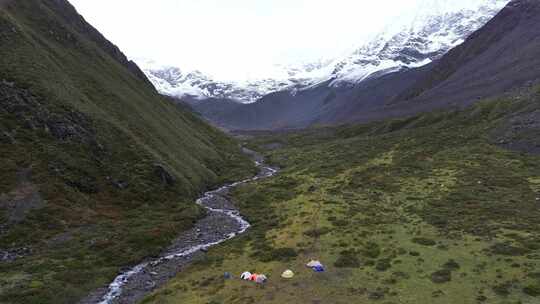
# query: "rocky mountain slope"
[[414, 40], [497, 58], [98, 170], [500, 55]]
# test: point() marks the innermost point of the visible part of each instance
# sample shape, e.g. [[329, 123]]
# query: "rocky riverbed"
[[222, 223]]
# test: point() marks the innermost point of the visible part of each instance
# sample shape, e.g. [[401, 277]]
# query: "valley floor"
[[423, 210]]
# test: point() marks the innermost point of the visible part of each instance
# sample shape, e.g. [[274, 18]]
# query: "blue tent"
[[318, 268]]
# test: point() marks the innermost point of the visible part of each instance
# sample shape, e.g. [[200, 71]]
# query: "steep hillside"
[[499, 56], [99, 171], [497, 59]]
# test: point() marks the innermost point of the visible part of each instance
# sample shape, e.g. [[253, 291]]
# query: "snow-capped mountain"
[[173, 81], [412, 41], [433, 31], [195, 85]]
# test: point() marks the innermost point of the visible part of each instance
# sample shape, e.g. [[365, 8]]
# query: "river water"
[[223, 222]]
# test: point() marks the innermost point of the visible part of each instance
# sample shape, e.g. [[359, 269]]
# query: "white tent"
[[314, 263], [246, 276]]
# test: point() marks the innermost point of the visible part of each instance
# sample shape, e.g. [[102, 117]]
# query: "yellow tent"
[[287, 274]]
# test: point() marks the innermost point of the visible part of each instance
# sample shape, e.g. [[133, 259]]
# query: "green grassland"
[[103, 170], [418, 210]]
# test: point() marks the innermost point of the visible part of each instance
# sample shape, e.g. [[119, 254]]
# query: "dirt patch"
[[15, 206], [21, 200]]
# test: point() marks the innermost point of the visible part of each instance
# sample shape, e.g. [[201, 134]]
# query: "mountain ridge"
[[504, 64], [428, 34], [490, 34], [77, 22]]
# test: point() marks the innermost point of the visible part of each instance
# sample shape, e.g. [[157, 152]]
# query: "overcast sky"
[[234, 38]]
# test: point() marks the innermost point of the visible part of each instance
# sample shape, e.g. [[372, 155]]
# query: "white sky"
[[235, 39]]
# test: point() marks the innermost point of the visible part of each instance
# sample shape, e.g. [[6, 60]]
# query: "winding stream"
[[223, 222]]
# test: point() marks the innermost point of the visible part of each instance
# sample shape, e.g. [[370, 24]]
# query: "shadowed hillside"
[[98, 170]]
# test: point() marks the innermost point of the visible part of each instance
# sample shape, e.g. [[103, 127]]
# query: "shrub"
[[280, 254], [507, 249], [347, 259], [424, 241], [532, 289], [502, 289], [371, 250], [441, 276], [317, 232], [451, 265], [383, 265]]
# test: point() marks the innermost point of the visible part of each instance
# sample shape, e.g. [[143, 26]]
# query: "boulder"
[[163, 174]]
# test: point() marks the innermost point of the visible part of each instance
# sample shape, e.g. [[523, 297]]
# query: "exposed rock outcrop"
[[164, 175]]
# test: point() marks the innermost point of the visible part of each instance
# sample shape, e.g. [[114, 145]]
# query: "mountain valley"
[[409, 168]]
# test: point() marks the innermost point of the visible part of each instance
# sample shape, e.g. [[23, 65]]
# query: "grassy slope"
[[86, 228], [422, 210]]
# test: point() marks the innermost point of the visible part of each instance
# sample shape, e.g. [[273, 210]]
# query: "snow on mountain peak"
[[416, 38]]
